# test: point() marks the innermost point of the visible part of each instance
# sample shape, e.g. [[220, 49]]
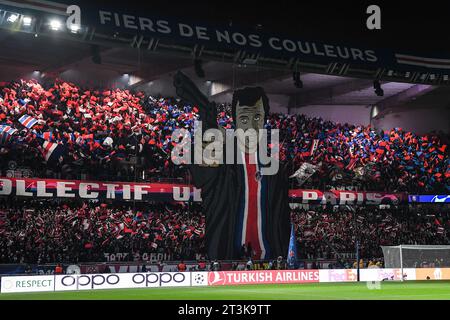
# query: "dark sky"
[[407, 25]]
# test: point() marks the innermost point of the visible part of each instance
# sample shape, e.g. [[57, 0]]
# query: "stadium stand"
[[48, 231], [91, 134]]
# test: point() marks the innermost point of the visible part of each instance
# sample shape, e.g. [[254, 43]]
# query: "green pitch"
[[317, 291]]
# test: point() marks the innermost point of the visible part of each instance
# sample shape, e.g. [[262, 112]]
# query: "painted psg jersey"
[[243, 206]]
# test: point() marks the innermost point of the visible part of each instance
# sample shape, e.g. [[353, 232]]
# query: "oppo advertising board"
[[218, 278], [154, 280], [102, 281], [122, 281]]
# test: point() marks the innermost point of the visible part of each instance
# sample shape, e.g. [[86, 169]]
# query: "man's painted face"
[[250, 117]]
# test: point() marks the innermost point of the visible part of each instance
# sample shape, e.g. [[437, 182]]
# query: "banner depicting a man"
[[243, 205]]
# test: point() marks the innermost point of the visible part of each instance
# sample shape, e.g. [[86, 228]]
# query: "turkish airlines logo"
[[216, 278]]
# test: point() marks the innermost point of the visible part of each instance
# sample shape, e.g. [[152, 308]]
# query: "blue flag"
[[292, 252]]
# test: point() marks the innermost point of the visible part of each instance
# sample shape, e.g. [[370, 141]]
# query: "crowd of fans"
[[97, 131], [332, 233], [115, 134], [63, 131], [47, 232], [51, 231]]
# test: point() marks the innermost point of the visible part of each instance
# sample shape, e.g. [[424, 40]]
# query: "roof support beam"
[[229, 84], [402, 97], [325, 95]]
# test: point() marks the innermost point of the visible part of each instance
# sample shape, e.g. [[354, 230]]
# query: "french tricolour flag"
[[51, 149], [5, 134], [7, 129], [46, 136], [27, 121]]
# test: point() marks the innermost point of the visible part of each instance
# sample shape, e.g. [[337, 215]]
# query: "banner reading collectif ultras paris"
[[119, 191]]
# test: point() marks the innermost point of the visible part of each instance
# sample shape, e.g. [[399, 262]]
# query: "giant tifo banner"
[[76, 189], [75, 282]]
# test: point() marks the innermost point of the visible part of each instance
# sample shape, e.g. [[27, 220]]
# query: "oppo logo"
[[158, 278], [151, 279], [89, 281]]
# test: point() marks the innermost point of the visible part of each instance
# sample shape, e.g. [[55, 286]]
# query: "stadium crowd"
[[329, 233], [49, 231], [64, 131], [46, 231]]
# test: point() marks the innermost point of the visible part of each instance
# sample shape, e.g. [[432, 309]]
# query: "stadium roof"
[[289, 39], [418, 25], [59, 54], [23, 53]]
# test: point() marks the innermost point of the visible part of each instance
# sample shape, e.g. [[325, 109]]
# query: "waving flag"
[[314, 146], [46, 136], [305, 171], [6, 133], [4, 139], [52, 151], [292, 252], [27, 121], [7, 129]]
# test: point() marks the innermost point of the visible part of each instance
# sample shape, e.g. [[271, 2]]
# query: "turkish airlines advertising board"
[[222, 278]]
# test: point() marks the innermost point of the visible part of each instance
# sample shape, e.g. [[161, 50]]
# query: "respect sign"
[[27, 284]]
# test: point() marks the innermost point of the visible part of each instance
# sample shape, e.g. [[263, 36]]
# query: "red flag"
[[127, 230]]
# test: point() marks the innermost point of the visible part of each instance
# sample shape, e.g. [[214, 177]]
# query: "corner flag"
[[292, 252]]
